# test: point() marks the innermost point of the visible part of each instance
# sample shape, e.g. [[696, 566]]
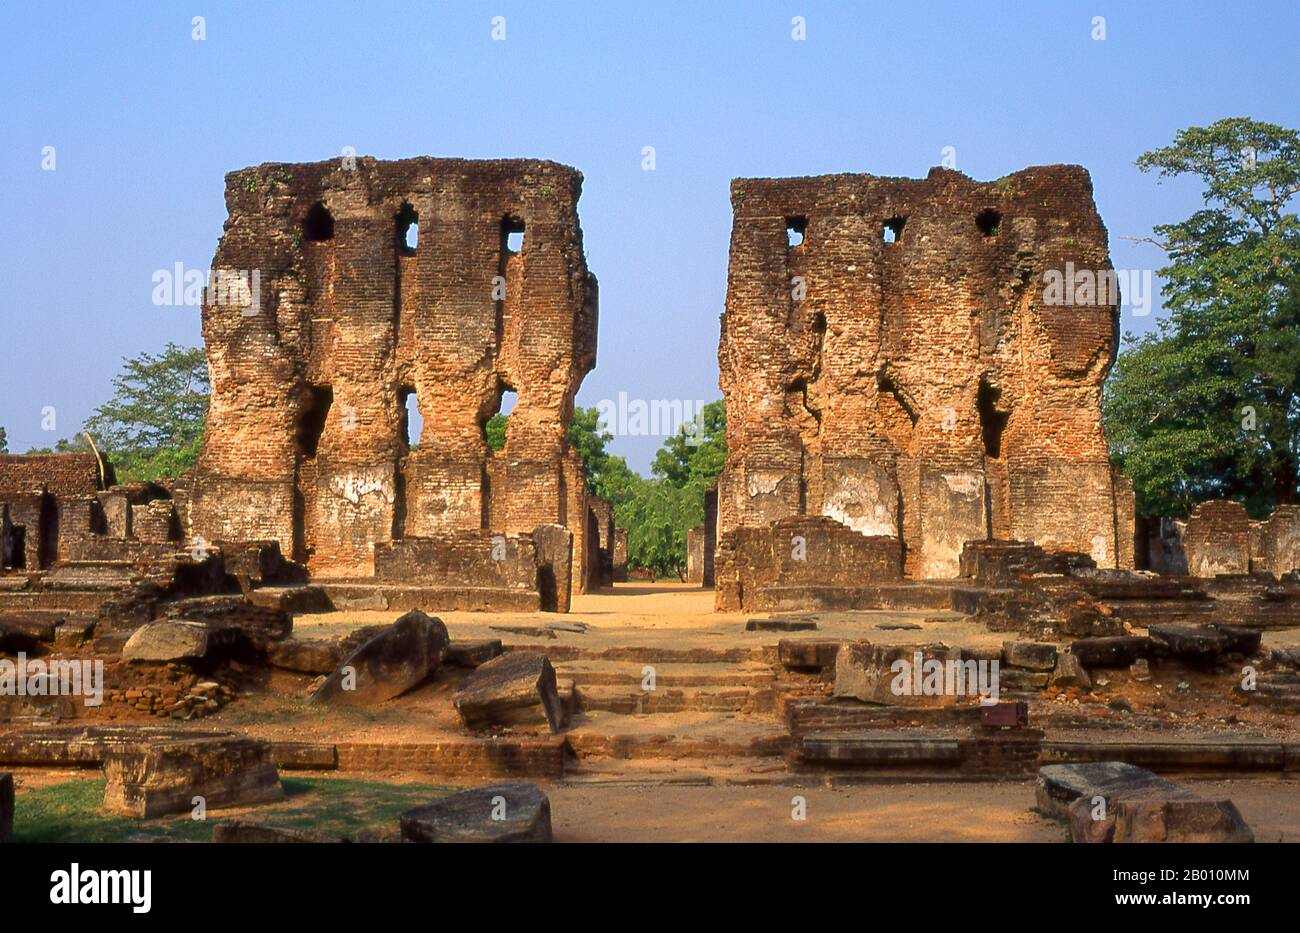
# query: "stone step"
[[810, 716], [666, 674], [719, 771], [88, 575], [666, 699], [561, 654], [878, 748], [82, 601], [294, 599], [698, 735]]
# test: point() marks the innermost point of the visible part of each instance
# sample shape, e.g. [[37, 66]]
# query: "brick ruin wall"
[[1218, 537], [802, 561], [924, 388], [306, 439]]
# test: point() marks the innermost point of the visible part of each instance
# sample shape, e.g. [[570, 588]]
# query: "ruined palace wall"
[[68, 474], [922, 388], [306, 440]]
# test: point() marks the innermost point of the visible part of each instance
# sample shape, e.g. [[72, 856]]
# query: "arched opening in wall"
[[891, 231], [412, 420], [989, 222], [318, 225], [993, 421], [795, 230], [512, 236], [494, 428], [408, 231], [311, 420]]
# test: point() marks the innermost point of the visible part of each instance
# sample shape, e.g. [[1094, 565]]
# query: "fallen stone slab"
[[14, 639], [517, 688], [73, 632], [168, 641], [807, 655], [496, 813], [238, 619], [1112, 650], [1059, 786], [1152, 815], [1015, 678], [1069, 672], [574, 628], [473, 653], [780, 625], [39, 627], [1112, 801], [902, 675], [1190, 643], [249, 831], [1241, 640], [1180, 821], [295, 598], [305, 655], [397, 659], [6, 806], [154, 778], [1032, 656], [529, 631]]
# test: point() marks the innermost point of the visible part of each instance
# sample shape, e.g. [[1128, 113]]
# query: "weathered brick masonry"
[[306, 440], [923, 388]]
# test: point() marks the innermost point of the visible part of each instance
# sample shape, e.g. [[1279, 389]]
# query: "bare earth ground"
[[927, 812], [919, 812], [666, 615]]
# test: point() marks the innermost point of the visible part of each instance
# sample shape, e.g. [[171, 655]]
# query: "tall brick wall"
[[306, 440], [921, 388]]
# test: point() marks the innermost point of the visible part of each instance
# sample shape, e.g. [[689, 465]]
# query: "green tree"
[[64, 445], [1208, 405], [4, 441], [696, 454], [152, 427], [657, 512], [496, 431]]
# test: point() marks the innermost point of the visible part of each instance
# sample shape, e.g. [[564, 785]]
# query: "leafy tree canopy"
[[1207, 406], [153, 425]]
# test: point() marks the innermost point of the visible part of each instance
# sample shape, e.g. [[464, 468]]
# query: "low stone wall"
[[1220, 538], [536, 565], [815, 554]]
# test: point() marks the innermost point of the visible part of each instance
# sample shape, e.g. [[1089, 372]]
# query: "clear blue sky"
[[146, 121]]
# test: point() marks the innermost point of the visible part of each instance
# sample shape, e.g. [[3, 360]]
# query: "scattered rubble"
[[393, 661], [496, 813], [517, 688]]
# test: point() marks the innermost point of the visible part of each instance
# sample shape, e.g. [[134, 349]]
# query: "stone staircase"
[[656, 715]]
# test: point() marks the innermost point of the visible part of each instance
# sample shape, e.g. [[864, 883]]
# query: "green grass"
[[72, 811]]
